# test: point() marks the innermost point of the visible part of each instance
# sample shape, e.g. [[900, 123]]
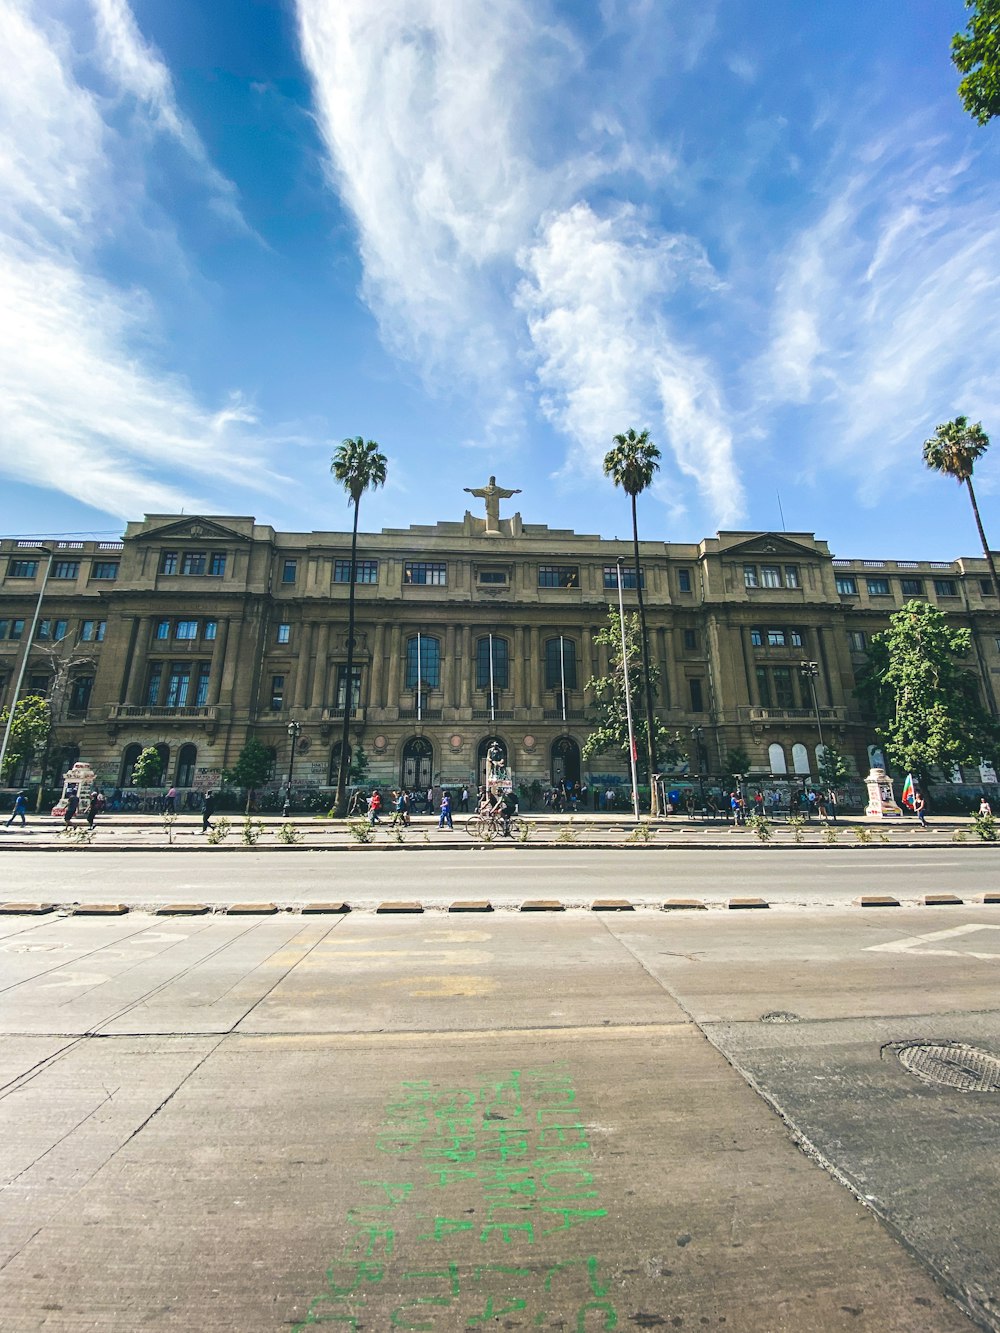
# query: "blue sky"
[[490, 236]]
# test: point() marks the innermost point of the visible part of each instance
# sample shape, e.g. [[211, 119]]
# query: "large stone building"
[[193, 633]]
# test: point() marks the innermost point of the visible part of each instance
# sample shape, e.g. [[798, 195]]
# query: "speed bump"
[[26, 909], [542, 905]]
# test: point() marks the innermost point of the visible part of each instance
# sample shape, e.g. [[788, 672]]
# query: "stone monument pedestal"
[[881, 802]]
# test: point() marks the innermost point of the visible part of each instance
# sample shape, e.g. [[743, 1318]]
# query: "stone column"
[[218, 661], [586, 664], [535, 667], [395, 668], [302, 668], [378, 667], [448, 668], [318, 696], [466, 668], [517, 679], [135, 662]]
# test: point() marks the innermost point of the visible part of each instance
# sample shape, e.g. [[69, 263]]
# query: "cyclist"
[[505, 809]]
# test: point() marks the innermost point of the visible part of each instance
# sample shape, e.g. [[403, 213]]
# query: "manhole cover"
[[950, 1064]]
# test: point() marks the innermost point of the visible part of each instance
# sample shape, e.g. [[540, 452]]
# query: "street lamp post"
[[293, 731], [810, 671], [41, 550], [697, 733]]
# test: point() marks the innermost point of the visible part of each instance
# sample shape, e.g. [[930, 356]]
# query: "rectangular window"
[[79, 693], [168, 562], [426, 670], [104, 569], [495, 577], [153, 684], [277, 692], [684, 580], [560, 663], [217, 564], [628, 577], [775, 638], [690, 639], [791, 576], [284, 634], [750, 576], [756, 637], [764, 687], [946, 587], [201, 689], [16, 629], [66, 569], [342, 687], [912, 587], [770, 576], [162, 629], [795, 638], [847, 586], [697, 703], [425, 571], [784, 690], [366, 571], [986, 587], [92, 631], [878, 587], [500, 668], [38, 684], [193, 562], [22, 569], [209, 629], [567, 576], [52, 630], [858, 640], [178, 684], [186, 629], [289, 570]]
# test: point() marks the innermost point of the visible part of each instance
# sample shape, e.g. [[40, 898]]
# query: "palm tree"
[[359, 466], [953, 449], [630, 465]]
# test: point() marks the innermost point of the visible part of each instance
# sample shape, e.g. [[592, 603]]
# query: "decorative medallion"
[[529, 742], [456, 742], [380, 743], [304, 744]]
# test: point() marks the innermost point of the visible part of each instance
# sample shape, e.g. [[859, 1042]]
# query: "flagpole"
[[420, 703], [628, 697]]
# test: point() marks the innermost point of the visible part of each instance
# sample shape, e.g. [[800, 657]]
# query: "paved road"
[[576, 1122], [506, 875]]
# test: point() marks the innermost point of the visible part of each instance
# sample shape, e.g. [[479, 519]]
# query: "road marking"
[[914, 943]]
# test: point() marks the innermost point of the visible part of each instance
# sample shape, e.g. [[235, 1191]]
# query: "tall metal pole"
[[493, 713], [562, 677], [42, 550], [810, 671], [420, 692], [628, 698], [293, 730]]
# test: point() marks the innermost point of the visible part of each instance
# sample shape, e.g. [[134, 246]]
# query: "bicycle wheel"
[[513, 827], [474, 826]]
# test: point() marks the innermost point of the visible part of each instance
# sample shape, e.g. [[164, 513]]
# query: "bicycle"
[[491, 826]]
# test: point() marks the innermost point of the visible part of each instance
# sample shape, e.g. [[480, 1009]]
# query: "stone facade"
[[194, 633]]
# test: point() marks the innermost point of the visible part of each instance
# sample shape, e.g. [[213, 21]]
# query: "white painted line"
[[917, 943]]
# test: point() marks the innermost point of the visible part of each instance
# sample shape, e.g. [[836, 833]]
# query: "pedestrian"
[[92, 809], [170, 805], [831, 801], [407, 805], [430, 800], [758, 803], [464, 803], [821, 804], [72, 805], [444, 815], [984, 806], [20, 808], [207, 811], [919, 806], [374, 806]]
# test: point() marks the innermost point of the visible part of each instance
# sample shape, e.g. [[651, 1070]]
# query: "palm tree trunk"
[[648, 688], [340, 800], [982, 537]]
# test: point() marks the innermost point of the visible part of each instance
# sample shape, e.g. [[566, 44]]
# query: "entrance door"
[[565, 761], [418, 757]]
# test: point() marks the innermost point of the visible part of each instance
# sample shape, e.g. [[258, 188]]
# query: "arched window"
[[800, 759], [560, 663], [776, 758], [129, 755], [423, 662], [187, 758], [486, 647]]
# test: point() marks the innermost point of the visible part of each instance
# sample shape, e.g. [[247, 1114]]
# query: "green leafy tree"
[[359, 766], [253, 767], [737, 761], [834, 769], [976, 54], [359, 466], [631, 465], [147, 769], [953, 450], [29, 732], [610, 730], [923, 700]]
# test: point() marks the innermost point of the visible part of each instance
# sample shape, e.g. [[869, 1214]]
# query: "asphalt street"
[[576, 1121]]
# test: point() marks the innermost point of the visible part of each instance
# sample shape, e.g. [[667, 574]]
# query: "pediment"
[[760, 545], [193, 528]]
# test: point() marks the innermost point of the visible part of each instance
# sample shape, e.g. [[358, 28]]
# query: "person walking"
[[72, 805], [374, 806], [831, 801], [984, 806], [170, 805], [92, 808], [464, 803], [444, 816], [919, 807], [20, 808], [207, 811]]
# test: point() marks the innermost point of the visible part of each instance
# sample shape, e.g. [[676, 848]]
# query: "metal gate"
[[418, 755]]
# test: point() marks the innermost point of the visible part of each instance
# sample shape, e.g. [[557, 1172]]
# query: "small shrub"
[[78, 835], [862, 834], [796, 823], [883, 835], [641, 833], [526, 830], [396, 832], [288, 833], [569, 833], [960, 835], [219, 832], [830, 834], [251, 831], [169, 820], [761, 827], [984, 827], [360, 830]]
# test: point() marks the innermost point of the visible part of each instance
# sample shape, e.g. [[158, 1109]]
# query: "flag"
[[908, 792]]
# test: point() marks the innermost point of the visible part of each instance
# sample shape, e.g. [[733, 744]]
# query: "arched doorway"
[[565, 761], [418, 763], [187, 758], [484, 747], [130, 754]]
